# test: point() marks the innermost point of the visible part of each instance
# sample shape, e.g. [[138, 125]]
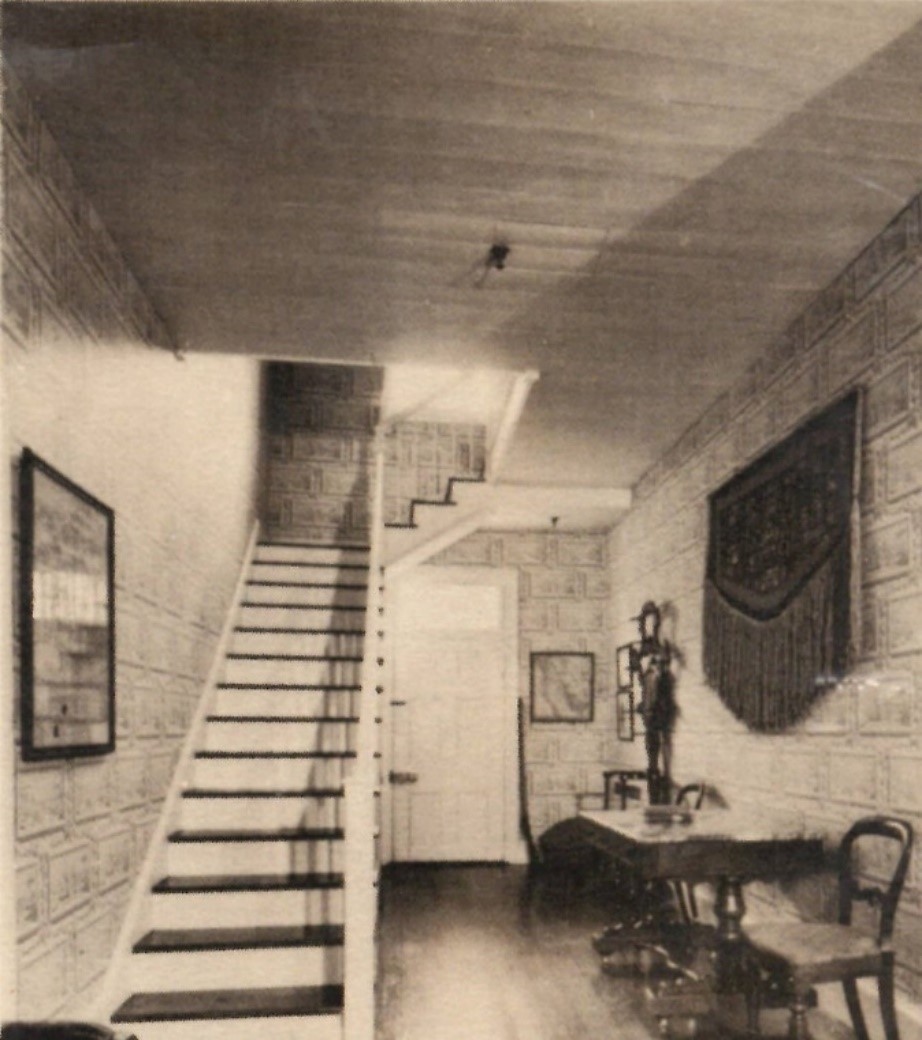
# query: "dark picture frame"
[[562, 686], [624, 713], [627, 694], [67, 616]]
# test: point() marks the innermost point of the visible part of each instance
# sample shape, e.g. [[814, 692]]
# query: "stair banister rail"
[[361, 788]]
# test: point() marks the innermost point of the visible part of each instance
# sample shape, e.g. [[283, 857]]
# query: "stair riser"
[[307, 673], [293, 617], [304, 594], [310, 554], [287, 702], [199, 813], [254, 857], [217, 969], [280, 736], [322, 644], [308, 572], [313, 1027], [246, 909], [270, 774]]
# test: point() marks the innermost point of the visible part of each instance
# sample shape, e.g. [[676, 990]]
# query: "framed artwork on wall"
[[67, 616], [562, 686], [624, 713]]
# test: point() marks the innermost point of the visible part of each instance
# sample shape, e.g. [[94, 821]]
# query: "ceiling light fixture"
[[499, 251]]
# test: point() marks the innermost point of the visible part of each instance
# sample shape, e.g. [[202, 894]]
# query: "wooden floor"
[[459, 962]]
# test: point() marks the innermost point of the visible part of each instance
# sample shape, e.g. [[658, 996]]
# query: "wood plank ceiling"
[[324, 180]]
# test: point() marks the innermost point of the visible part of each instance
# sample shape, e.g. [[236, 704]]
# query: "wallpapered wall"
[[859, 751], [564, 595], [421, 457], [172, 448], [320, 423]]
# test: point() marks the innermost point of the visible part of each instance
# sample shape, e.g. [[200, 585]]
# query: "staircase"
[[247, 924]]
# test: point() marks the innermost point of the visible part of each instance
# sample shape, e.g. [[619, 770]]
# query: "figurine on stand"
[[653, 665]]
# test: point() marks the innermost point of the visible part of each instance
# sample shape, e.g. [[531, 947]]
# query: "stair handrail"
[[360, 790]]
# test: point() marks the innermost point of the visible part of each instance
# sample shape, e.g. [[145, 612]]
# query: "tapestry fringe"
[[768, 673]]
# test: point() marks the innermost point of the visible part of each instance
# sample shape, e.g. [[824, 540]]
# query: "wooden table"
[[722, 846]]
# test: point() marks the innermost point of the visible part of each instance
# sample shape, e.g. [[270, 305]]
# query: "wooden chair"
[[691, 795], [559, 860], [665, 912], [806, 954], [626, 784]]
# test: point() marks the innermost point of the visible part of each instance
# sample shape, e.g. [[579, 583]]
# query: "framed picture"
[[562, 687], [624, 713], [625, 660], [67, 616]]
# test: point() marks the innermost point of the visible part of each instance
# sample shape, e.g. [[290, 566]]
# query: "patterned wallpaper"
[[420, 457], [320, 423], [154, 439], [860, 751], [564, 593]]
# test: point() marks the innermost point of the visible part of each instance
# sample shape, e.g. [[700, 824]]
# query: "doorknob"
[[394, 777]]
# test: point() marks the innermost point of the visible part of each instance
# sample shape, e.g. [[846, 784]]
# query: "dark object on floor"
[[805, 954], [59, 1031]]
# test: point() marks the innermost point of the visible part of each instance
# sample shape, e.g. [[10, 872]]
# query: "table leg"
[[729, 910]]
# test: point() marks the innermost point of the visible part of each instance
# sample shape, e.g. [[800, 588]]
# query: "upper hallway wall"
[[172, 447], [319, 428], [859, 750]]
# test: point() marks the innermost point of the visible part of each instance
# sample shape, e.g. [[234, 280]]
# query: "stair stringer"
[[116, 984], [437, 525]]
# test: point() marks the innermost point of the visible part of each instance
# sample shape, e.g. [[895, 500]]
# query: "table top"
[[714, 843]]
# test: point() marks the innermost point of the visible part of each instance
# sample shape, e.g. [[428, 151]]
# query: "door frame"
[[507, 580]]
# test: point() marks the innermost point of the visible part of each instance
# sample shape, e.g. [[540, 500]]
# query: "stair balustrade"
[[361, 790]]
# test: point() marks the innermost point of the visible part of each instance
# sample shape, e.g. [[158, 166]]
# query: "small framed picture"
[[67, 616], [625, 661], [562, 686], [624, 713]]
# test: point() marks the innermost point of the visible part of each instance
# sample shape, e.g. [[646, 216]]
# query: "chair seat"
[[817, 952]]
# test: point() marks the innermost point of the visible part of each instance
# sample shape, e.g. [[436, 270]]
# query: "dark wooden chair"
[[806, 954], [664, 912], [623, 785], [560, 861], [692, 796]]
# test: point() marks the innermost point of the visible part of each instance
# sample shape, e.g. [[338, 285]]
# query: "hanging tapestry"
[[777, 591]]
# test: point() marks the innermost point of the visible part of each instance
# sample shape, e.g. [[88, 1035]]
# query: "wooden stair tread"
[[232, 1003], [275, 834], [351, 687], [275, 754], [346, 546], [303, 606], [306, 584], [270, 630], [353, 658], [312, 563], [182, 883], [256, 792], [174, 940], [283, 718]]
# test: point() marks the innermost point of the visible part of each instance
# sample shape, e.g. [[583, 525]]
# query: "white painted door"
[[453, 793]]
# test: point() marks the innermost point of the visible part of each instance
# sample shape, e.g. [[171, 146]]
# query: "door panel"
[[454, 726]]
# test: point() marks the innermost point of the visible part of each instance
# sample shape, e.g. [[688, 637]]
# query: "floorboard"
[[459, 962]]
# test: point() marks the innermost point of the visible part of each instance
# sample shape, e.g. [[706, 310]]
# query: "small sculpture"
[[651, 661]]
